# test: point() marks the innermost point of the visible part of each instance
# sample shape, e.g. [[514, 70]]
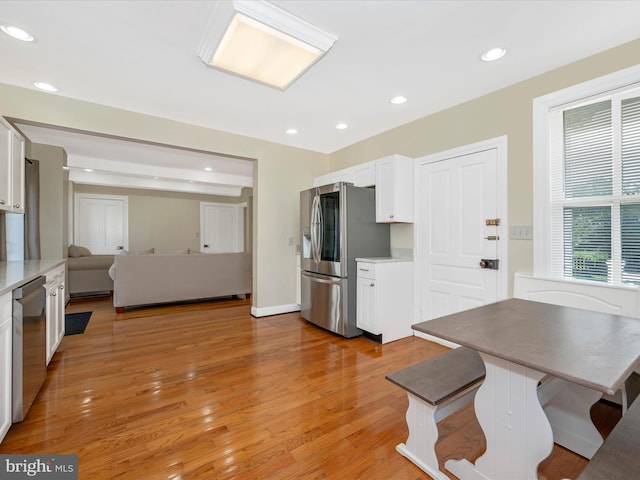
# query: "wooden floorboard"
[[205, 391]]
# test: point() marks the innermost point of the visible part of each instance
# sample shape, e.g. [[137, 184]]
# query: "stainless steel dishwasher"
[[29, 345]]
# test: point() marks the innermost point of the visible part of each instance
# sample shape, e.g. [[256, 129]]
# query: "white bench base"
[[422, 419]]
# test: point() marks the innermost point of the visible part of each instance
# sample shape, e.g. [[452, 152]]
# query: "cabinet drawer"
[[366, 270]]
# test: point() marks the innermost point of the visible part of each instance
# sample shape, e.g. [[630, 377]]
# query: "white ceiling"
[[141, 56]]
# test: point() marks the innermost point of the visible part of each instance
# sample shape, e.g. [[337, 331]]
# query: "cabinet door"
[[385, 190], [322, 180], [17, 173], [366, 306], [5, 166], [342, 176], [394, 189], [52, 317], [60, 309], [364, 175], [6, 341]]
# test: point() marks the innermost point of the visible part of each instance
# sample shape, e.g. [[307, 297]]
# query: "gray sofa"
[[88, 274], [152, 279]]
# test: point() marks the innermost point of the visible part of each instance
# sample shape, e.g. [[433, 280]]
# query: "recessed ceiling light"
[[398, 100], [17, 33], [47, 87], [342, 126], [493, 54], [291, 131], [208, 169], [88, 170]]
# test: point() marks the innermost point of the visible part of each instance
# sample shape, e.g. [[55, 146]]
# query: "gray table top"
[[597, 350]]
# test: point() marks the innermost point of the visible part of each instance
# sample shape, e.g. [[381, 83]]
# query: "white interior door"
[[101, 223], [459, 199], [222, 227]]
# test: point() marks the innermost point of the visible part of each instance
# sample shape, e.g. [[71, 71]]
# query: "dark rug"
[[75, 323]]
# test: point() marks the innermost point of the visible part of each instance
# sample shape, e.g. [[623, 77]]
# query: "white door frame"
[[500, 144]]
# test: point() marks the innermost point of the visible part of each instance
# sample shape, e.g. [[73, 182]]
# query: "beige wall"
[[504, 112], [280, 173], [52, 212], [169, 222]]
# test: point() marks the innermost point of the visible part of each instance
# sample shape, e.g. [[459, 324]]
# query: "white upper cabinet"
[[362, 175], [322, 180], [394, 189], [5, 166], [11, 168], [17, 173]]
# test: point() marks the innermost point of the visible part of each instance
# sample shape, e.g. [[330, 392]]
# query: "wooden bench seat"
[[619, 456], [436, 388]]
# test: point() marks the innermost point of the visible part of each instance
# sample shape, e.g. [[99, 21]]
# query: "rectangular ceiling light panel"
[[263, 43]]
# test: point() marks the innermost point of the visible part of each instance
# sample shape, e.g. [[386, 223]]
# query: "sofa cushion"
[[90, 262], [76, 251]]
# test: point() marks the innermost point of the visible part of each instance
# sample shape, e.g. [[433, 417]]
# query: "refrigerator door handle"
[[319, 279], [315, 228], [320, 230]]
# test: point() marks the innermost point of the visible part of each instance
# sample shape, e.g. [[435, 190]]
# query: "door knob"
[[490, 264]]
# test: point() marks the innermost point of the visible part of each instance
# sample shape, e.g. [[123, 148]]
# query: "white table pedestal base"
[[568, 406], [516, 429]]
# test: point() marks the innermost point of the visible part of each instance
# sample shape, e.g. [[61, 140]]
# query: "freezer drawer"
[[325, 303]]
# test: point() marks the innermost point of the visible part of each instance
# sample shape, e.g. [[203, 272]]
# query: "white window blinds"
[[588, 153], [596, 202]]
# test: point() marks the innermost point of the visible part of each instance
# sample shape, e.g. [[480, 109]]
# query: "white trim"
[[275, 310], [542, 106], [500, 145]]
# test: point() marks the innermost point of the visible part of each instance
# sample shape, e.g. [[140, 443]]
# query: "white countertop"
[[384, 259], [14, 274]]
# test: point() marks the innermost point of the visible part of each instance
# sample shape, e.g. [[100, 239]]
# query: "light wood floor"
[[205, 391]]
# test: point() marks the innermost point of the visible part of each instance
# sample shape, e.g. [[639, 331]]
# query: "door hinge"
[[492, 222]]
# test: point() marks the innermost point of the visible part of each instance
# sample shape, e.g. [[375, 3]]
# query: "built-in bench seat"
[[436, 388], [618, 458]]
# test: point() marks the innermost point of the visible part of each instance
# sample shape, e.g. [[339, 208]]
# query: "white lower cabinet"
[[6, 362], [55, 288], [384, 298]]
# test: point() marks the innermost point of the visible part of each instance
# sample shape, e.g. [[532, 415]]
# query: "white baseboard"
[[275, 310]]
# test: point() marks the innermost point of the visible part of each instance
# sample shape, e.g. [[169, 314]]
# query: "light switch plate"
[[521, 232]]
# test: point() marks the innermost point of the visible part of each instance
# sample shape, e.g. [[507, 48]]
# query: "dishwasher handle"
[[28, 288]]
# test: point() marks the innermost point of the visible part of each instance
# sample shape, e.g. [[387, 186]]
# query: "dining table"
[[526, 345]]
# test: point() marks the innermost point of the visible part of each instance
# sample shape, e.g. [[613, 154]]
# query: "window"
[[589, 166]]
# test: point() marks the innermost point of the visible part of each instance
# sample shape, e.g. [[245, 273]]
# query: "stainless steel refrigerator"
[[338, 224]]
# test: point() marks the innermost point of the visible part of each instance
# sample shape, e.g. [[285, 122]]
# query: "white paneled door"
[[459, 232], [101, 223], [222, 227]]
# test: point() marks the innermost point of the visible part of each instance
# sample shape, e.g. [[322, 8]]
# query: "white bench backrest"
[[604, 298]]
